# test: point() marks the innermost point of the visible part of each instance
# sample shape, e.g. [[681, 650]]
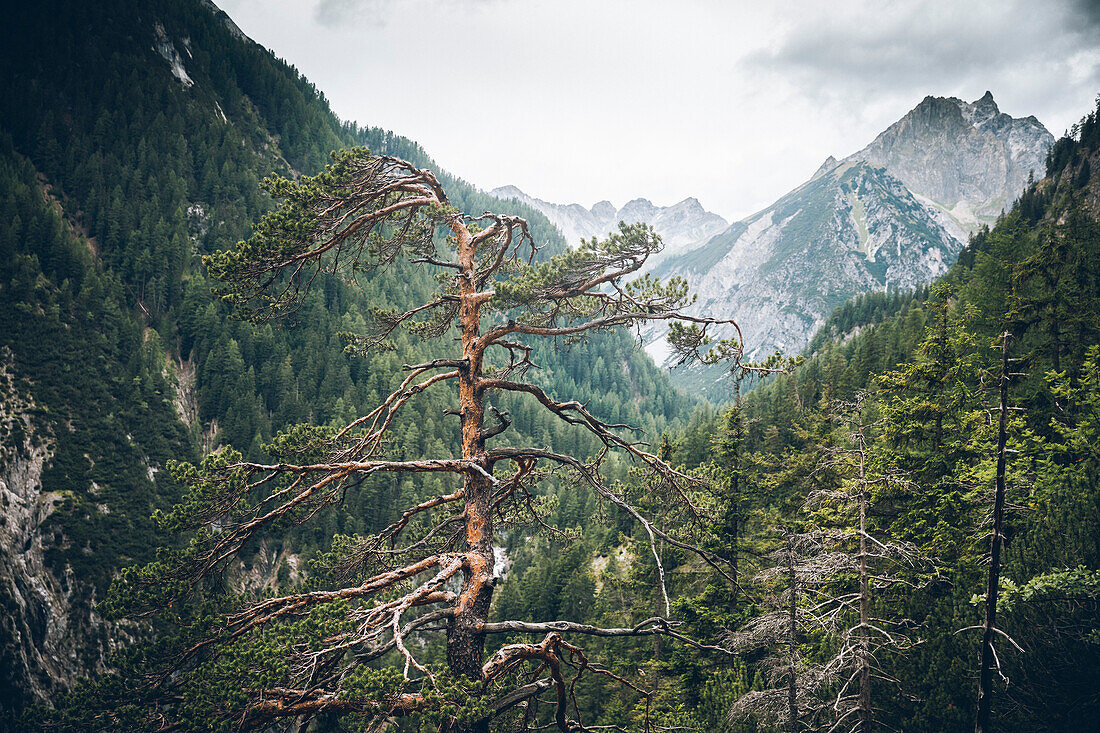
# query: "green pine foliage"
[[929, 360], [110, 316], [111, 325]]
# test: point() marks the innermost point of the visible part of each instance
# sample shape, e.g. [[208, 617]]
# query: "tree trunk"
[[985, 675], [735, 486], [465, 638], [792, 646], [866, 720]]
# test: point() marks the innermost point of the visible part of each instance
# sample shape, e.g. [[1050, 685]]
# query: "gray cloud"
[[755, 94], [923, 47], [333, 13], [1090, 11]]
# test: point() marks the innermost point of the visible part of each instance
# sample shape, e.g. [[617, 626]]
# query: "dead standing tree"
[[814, 571], [879, 564], [367, 212], [801, 566], [988, 663]]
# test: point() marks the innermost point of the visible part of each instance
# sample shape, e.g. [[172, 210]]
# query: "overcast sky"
[[734, 103]]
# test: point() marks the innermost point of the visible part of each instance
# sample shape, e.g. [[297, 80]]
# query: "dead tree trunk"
[[988, 656], [792, 643], [465, 640], [735, 485], [866, 717]]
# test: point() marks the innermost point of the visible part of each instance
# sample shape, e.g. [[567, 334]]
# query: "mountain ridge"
[[894, 214], [968, 158], [120, 353], [683, 226]]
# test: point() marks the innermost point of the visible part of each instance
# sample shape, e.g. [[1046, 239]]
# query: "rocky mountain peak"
[[980, 111], [825, 167], [603, 210], [968, 160], [895, 214], [682, 226], [690, 204], [508, 192], [638, 210]]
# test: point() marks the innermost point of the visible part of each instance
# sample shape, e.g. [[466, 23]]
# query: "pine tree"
[[307, 653]]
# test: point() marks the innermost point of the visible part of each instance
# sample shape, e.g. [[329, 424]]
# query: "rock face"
[[683, 226], [780, 272], [168, 52], [969, 161], [48, 621], [895, 214]]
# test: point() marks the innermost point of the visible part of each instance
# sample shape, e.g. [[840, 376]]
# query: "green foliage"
[[927, 357], [108, 312]]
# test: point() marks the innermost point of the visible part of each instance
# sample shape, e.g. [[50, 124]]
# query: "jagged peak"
[[939, 104], [603, 209], [825, 167], [981, 110], [690, 203]]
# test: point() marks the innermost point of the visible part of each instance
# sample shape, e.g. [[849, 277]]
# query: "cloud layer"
[[732, 102]]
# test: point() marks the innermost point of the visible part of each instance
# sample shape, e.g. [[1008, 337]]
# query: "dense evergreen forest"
[[117, 177], [924, 369], [852, 501]]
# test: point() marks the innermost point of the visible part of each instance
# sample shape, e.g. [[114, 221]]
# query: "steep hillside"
[[135, 135], [850, 230], [86, 421], [927, 358]]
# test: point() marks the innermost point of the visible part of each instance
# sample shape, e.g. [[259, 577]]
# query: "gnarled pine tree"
[[433, 568]]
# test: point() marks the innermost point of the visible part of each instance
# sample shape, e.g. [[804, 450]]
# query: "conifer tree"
[[827, 589], [309, 652]]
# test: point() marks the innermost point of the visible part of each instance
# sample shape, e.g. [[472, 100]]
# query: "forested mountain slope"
[[930, 363], [133, 137]]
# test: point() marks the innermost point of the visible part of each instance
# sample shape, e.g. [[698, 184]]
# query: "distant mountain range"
[[682, 226], [894, 214]]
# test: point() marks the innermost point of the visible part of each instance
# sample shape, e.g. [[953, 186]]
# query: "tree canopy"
[[433, 569]]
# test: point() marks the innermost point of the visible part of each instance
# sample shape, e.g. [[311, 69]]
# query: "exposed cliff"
[[968, 160], [895, 214], [782, 271], [49, 632]]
